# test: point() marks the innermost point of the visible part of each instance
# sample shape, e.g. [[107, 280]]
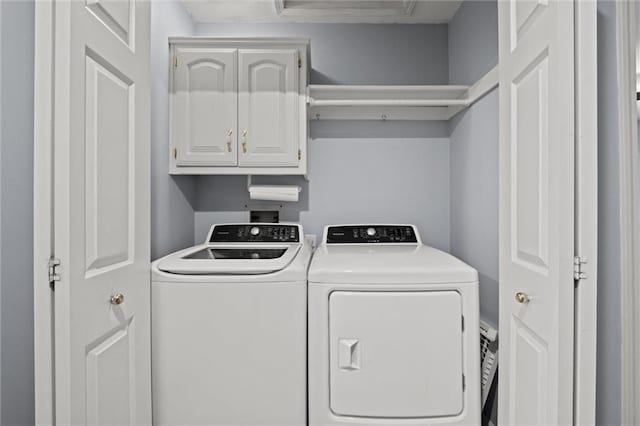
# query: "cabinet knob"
[[229, 133]]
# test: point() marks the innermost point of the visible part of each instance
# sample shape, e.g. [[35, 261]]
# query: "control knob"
[[255, 231], [371, 232]]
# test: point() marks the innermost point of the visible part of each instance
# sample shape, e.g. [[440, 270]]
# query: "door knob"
[[522, 297], [117, 299]]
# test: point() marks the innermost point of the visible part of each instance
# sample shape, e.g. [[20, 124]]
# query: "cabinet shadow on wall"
[[317, 77]]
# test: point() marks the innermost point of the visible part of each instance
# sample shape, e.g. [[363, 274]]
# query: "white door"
[[204, 107], [396, 354], [101, 212], [536, 211], [268, 107]]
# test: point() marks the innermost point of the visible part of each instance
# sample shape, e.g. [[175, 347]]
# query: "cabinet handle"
[[244, 141], [229, 133]]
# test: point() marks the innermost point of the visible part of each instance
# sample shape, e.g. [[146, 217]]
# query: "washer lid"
[[387, 264], [236, 259]]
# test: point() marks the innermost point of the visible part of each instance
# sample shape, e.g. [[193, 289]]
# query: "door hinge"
[[578, 269], [175, 61], [299, 62], [53, 271], [175, 153], [299, 154]]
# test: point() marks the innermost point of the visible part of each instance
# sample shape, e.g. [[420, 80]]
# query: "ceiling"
[[326, 11]]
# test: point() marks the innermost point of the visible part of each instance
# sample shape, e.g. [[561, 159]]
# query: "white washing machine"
[[393, 331], [229, 329]]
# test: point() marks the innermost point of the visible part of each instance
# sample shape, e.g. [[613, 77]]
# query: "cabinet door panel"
[[205, 107], [268, 107]]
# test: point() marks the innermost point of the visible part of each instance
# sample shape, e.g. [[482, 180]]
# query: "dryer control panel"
[[363, 234], [255, 233]]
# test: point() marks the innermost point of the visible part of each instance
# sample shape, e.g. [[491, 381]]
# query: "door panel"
[[205, 107], [396, 354], [117, 15], [109, 373], [109, 210], [531, 351], [101, 213], [268, 107], [524, 13], [529, 171], [536, 212]]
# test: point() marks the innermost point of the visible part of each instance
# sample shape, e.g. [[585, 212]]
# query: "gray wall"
[[348, 183], [16, 222], [473, 51], [360, 53], [608, 408], [473, 41], [358, 171], [171, 197], [474, 196]]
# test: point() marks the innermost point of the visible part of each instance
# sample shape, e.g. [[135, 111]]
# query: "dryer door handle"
[[349, 354]]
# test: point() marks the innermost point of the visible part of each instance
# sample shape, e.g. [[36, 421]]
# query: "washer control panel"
[[255, 233], [362, 234]]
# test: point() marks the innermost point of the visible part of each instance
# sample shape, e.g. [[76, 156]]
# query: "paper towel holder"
[[306, 178], [249, 180], [273, 192]]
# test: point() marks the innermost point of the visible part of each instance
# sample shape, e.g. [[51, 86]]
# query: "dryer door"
[[396, 354]]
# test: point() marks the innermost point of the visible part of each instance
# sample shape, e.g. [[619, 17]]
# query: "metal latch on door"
[[53, 271], [578, 272]]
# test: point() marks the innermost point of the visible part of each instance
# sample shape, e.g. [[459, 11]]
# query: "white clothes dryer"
[[229, 328], [393, 331]]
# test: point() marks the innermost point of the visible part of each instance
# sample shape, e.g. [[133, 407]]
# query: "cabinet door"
[[204, 110], [268, 108]]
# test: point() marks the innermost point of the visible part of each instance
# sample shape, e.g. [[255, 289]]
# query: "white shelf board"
[[353, 102]]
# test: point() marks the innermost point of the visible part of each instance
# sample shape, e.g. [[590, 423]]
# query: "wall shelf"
[[348, 102]]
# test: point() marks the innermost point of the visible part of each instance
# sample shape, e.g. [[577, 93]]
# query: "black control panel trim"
[[255, 233], [371, 234]]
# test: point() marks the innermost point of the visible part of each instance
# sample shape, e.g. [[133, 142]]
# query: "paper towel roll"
[[274, 192]]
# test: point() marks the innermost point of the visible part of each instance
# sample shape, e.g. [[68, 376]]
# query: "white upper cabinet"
[[204, 114], [268, 107], [238, 106]]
